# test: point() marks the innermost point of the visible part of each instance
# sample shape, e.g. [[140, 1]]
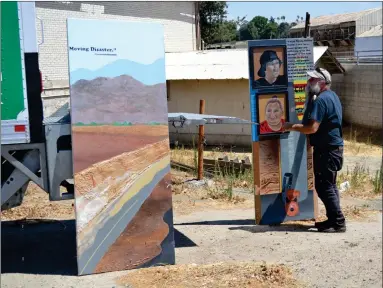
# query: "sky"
[[291, 9], [113, 35]]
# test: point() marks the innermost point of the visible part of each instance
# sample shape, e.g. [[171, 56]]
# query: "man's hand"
[[310, 128], [288, 126]]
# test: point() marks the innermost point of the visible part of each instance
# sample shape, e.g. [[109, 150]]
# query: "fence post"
[[201, 136]]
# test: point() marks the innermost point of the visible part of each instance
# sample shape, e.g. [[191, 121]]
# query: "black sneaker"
[[332, 228], [321, 224]]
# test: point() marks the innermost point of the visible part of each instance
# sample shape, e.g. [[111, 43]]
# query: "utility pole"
[[307, 25]]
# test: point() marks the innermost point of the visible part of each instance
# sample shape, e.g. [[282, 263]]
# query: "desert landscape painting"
[[121, 159]]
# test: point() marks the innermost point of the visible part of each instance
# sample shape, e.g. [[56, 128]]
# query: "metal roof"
[[180, 120], [207, 64], [214, 64], [375, 31], [334, 19]]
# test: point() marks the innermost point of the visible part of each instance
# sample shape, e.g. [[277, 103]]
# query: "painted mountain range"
[[150, 74], [119, 99]]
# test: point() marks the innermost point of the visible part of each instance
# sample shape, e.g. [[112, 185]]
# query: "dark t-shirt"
[[327, 110]]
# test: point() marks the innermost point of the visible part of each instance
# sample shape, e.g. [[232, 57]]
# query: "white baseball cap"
[[320, 73]]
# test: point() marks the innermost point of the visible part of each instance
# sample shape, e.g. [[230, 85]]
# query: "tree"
[[214, 26], [283, 30], [226, 32], [299, 19], [241, 21], [259, 28], [271, 30], [241, 24]]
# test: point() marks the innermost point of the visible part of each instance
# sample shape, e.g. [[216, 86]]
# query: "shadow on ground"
[[182, 241], [249, 226], [276, 228], [39, 247], [47, 247]]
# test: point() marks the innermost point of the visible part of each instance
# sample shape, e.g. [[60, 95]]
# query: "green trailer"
[[32, 148], [20, 76]]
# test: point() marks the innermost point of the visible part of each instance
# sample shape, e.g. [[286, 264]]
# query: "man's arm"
[[310, 128], [317, 114]]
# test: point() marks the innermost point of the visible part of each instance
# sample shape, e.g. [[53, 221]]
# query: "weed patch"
[[362, 184]]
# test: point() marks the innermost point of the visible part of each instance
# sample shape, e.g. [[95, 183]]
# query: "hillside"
[[119, 99]]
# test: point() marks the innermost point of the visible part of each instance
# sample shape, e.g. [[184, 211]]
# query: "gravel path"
[[352, 259]]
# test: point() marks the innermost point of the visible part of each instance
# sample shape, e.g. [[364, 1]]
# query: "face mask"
[[314, 89]]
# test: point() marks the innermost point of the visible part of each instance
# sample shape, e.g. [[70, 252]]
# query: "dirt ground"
[[217, 243], [210, 236], [244, 275], [208, 230]]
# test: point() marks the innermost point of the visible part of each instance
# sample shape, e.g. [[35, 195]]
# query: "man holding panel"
[[322, 121]]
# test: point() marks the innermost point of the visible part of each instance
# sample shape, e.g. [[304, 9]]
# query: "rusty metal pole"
[[201, 135]]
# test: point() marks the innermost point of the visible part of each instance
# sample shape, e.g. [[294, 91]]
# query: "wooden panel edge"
[[257, 183]]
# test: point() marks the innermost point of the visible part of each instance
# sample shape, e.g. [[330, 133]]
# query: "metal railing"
[[365, 56]]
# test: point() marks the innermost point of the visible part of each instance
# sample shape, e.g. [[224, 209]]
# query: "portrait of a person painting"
[[271, 113], [268, 66]]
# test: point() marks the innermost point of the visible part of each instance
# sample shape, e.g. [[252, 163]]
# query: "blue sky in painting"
[[141, 43]]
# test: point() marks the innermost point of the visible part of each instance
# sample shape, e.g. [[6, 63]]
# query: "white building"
[[339, 31], [221, 78], [178, 19], [369, 43]]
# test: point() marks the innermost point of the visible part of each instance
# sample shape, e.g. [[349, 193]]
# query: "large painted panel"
[[283, 176], [120, 143]]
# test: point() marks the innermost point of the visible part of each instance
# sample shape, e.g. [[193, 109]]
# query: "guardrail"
[[366, 56]]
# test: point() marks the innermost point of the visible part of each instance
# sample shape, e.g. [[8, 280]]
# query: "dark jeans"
[[327, 162]]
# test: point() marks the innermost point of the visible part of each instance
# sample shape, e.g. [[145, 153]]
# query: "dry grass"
[[352, 213], [360, 141], [361, 213], [227, 182], [362, 184], [187, 155], [244, 275], [190, 205], [216, 189], [361, 149], [188, 198], [36, 205]]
